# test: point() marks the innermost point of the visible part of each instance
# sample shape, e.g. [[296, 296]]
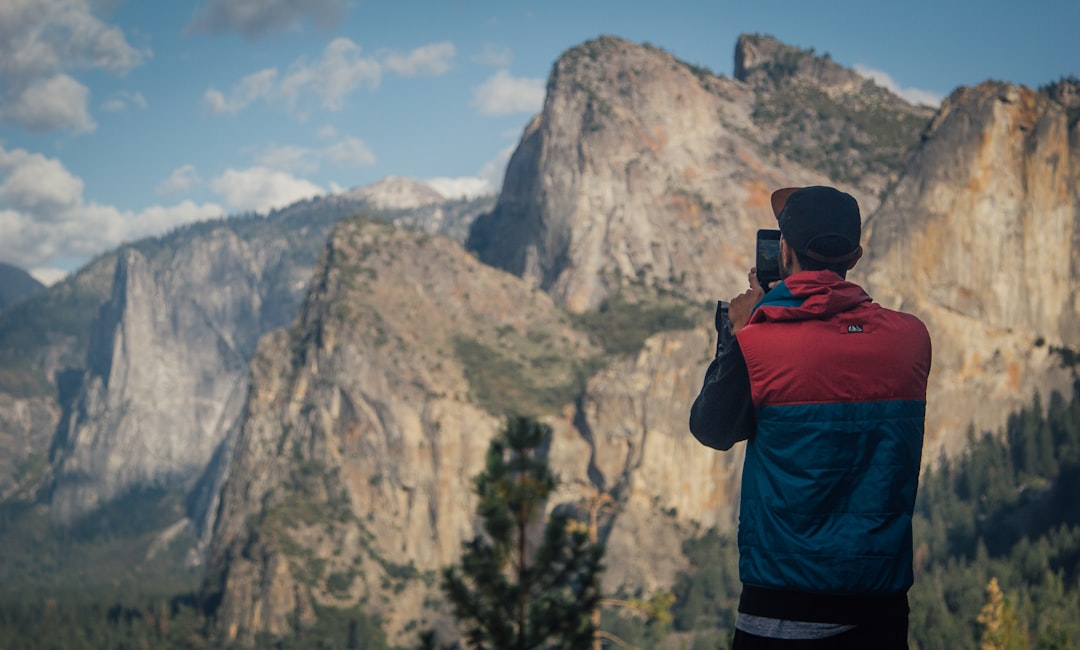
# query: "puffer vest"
[[828, 489]]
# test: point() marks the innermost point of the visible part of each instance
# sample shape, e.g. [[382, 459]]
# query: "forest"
[[997, 565]]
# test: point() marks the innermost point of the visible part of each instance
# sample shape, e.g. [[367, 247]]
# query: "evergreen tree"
[[513, 591]]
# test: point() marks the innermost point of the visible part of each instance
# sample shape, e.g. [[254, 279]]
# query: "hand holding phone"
[[742, 305]]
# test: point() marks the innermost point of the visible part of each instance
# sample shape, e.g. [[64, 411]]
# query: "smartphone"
[[768, 256]]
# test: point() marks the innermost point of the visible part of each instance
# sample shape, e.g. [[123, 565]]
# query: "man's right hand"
[[743, 304]]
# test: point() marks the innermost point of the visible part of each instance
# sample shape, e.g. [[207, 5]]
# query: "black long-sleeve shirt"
[[723, 412]]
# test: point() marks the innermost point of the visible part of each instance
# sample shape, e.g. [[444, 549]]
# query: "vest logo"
[[854, 329]]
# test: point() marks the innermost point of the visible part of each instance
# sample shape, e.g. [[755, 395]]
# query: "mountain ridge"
[[16, 284]]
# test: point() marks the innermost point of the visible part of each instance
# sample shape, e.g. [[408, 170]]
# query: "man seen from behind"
[[828, 389]]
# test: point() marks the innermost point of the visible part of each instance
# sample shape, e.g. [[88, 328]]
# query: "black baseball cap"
[[820, 222]]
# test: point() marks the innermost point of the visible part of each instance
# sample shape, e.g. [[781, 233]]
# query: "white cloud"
[[125, 100], [42, 39], [347, 152], [255, 19], [257, 85], [180, 180], [288, 158], [495, 56], [433, 59], [260, 189], [158, 219], [44, 218], [32, 183], [488, 181], [912, 95], [341, 70], [351, 152], [51, 104], [503, 94], [48, 276]]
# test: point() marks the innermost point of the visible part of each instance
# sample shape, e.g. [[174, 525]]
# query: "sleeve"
[[723, 412]]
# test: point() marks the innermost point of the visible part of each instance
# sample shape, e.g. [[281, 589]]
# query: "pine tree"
[[513, 591]]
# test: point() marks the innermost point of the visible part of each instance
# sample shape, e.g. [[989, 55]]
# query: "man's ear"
[[858, 256], [788, 261]]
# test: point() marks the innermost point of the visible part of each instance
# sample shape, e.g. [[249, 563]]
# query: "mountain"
[[827, 117], [16, 284], [645, 174]]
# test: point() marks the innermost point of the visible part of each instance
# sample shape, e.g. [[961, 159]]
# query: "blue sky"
[[121, 119]]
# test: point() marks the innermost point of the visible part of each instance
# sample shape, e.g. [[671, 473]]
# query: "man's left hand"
[[743, 304]]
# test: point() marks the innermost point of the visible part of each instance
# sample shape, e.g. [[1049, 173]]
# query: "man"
[[828, 389]]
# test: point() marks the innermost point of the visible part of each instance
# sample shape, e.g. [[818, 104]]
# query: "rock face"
[[352, 473], [166, 370], [26, 428], [980, 237], [644, 172], [827, 117], [42, 352]]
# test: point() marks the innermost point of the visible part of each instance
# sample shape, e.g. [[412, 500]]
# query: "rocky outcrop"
[[352, 473], [165, 373], [768, 65], [641, 174], [631, 421], [26, 428], [980, 237], [43, 342], [827, 117]]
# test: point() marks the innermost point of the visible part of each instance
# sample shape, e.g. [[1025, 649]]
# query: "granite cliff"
[[645, 173], [362, 432], [980, 238]]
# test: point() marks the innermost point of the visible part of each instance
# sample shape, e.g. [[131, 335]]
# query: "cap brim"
[[780, 197]]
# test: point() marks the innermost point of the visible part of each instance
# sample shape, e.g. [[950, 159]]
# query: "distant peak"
[[397, 193], [764, 63]]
